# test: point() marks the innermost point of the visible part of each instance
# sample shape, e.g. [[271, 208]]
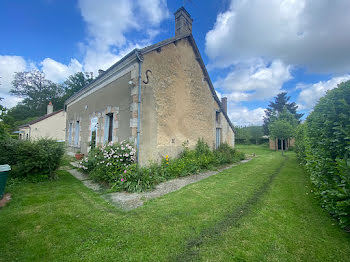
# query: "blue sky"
[[253, 49]]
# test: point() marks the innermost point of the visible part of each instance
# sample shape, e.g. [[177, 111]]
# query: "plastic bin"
[[4, 171]]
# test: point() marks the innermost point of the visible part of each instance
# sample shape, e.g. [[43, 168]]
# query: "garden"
[[115, 165]]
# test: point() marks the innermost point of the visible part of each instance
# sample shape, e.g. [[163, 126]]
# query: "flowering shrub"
[[115, 165], [109, 162]]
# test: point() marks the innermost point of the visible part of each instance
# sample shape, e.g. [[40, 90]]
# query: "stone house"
[[52, 125], [158, 97]]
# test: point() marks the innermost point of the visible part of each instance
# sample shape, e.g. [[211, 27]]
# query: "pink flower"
[[122, 179], [124, 171]]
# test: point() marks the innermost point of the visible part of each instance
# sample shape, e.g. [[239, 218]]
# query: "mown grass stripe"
[[193, 245]]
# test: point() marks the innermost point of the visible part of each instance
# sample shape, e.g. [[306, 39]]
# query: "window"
[[77, 130], [218, 138], [94, 122], [217, 117], [20, 136], [27, 137], [70, 133], [108, 131]]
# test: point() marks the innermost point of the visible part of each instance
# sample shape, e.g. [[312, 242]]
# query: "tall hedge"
[[323, 142]]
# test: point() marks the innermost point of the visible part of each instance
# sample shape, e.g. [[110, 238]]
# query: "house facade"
[[157, 97], [52, 125]]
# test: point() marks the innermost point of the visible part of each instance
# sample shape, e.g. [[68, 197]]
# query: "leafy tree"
[[2, 109], [76, 82], [281, 102], [36, 90], [281, 129], [256, 132], [73, 84]]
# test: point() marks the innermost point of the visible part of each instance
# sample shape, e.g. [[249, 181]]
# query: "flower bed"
[[115, 165]]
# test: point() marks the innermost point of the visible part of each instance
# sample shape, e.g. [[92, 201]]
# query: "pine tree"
[[277, 106]]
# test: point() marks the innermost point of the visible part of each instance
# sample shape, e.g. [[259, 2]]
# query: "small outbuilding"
[[279, 144]]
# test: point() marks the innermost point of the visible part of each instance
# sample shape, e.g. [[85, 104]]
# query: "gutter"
[[140, 60]]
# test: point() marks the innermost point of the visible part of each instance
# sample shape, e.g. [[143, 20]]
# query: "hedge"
[[31, 159], [323, 146]]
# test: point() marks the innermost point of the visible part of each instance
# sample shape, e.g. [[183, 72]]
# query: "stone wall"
[[115, 98], [177, 104]]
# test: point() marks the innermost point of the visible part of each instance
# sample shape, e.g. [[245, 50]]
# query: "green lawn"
[[259, 211]]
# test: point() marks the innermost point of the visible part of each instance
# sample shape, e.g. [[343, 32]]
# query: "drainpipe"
[[140, 60]]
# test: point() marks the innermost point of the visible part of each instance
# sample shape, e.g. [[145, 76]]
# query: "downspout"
[[140, 60]]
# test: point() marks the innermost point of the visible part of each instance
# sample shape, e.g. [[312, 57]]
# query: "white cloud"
[[254, 80], [242, 116], [57, 72], [314, 34], [311, 93], [109, 21], [8, 66], [155, 10]]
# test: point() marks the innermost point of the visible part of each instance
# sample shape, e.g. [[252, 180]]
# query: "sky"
[[253, 49]]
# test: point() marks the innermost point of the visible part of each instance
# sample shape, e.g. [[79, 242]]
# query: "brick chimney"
[[224, 104], [183, 22], [49, 108]]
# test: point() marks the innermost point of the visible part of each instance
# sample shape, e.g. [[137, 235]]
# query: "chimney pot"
[[100, 72], [224, 104], [183, 22]]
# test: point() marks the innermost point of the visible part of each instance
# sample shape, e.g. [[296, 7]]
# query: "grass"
[[62, 220]]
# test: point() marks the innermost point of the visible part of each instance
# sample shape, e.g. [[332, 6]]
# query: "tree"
[[281, 102], [36, 90], [256, 132], [2, 109], [74, 83], [281, 129]]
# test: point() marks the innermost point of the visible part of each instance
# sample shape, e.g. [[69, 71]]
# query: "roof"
[[135, 54], [41, 118]]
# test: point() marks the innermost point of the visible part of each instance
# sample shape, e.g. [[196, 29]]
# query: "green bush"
[[106, 163], [323, 144], [101, 164], [31, 159]]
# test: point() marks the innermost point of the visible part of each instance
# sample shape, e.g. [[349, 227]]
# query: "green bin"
[[4, 171]]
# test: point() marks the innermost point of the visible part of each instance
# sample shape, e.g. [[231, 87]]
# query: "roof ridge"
[[41, 118]]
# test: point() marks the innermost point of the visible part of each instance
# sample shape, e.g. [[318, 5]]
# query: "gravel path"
[[129, 201]]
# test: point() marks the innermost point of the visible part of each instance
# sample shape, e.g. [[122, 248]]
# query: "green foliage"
[[109, 162], [31, 159], [279, 105], [104, 165], [250, 135], [325, 144], [75, 82], [300, 142], [281, 129], [37, 92], [3, 131]]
